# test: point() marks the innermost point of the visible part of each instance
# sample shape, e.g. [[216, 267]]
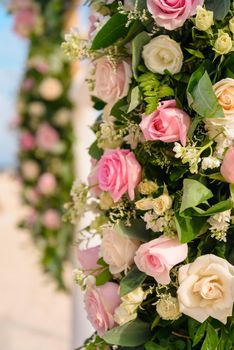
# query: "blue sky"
[[13, 51]]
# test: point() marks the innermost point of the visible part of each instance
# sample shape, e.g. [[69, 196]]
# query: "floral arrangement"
[[45, 141], [162, 178]]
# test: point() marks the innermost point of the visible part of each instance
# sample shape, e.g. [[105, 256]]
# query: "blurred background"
[[44, 135]]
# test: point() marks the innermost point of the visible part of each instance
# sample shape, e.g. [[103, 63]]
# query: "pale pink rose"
[[47, 183], [28, 84], [118, 250], [24, 21], [118, 172], [32, 218], [30, 169], [100, 305], [112, 83], [42, 67], [171, 14], [32, 195], [51, 219], [168, 124], [157, 257], [88, 258], [27, 141], [47, 137], [227, 167]]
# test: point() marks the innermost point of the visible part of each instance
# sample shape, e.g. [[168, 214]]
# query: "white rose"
[[118, 250], [62, 117], [163, 53], [207, 288], [134, 299], [223, 43], [122, 315], [30, 169], [204, 19], [168, 308], [50, 89], [161, 204], [36, 109]]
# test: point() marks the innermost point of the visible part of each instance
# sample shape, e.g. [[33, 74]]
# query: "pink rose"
[[32, 195], [168, 124], [118, 172], [27, 141], [51, 219], [88, 258], [25, 21], [28, 84], [112, 83], [47, 137], [171, 14], [100, 305], [47, 183], [32, 218], [227, 167], [157, 257]]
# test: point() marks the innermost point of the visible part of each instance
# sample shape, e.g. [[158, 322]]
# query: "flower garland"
[[162, 179], [45, 131]]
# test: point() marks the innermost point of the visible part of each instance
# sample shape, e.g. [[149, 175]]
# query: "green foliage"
[[220, 8], [113, 30], [153, 88], [137, 46], [131, 281], [131, 334], [136, 229], [201, 96]]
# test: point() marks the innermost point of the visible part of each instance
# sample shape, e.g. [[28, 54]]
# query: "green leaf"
[[131, 334], [216, 176], [201, 96], [200, 333], [103, 277], [137, 230], [135, 99], [131, 281], [219, 7], [94, 151], [189, 228], [113, 30], [194, 193], [137, 45], [216, 208], [116, 110], [150, 345], [196, 53], [211, 341]]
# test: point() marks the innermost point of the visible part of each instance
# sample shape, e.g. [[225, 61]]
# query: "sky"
[[13, 51]]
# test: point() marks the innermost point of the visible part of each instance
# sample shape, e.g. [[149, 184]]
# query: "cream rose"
[[204, 19], [223, 43], [224, 91], [147, 187], [50, 89], [206, 288], [162, 203], [163, 53], [118, 250], [168, 308]]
